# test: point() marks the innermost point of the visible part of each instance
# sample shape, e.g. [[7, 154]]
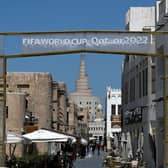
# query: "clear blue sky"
[[59, 15]]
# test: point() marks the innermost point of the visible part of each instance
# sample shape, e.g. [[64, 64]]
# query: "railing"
[[116, 118]]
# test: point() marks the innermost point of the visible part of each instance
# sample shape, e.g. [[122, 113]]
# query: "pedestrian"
[[98, 149], [83, 151], [88, 148], [93, 148], [57, 160], [74, 153], [114, 151], [68, 154]]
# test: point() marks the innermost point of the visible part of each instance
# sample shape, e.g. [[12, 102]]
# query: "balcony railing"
[[116, 118]]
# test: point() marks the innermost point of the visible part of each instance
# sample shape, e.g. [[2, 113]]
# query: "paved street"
[[91, 161]]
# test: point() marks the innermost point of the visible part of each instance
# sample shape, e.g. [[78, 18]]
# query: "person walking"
[[98, 149], [93, 148]]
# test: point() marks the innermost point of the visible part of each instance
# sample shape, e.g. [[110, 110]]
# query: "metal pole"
[[165, 146], [4, 107], [3, 113]]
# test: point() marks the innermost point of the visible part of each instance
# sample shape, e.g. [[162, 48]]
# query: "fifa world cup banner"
[[90, 41], [20, 44]]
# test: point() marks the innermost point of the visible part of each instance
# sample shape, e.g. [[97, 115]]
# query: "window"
[[132, 89], [153, 78], [153, 60], [140, 85], [23, 86], [126, 93], [6, 111], [26, 103], [67, 117], [113, 95], [160, 62], [1, 85], [145, 81], [162, 9], [113, 109], [119, 109]]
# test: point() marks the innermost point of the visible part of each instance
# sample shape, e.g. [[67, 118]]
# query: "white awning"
[[44, 135], [84, 141], [92, 138], [13, 138]]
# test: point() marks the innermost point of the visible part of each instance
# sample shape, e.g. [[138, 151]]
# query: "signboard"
[[100, 41], [26, 44]]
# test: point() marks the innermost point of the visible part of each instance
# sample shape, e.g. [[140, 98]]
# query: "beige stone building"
[[72, 117], [34, 101], [33, 110], [37, 88], [59, 106], [15, 117]]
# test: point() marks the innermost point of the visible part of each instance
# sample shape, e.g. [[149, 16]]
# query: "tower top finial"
[[82, 56]]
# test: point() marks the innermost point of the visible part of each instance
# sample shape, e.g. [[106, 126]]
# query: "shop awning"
[[13, 138], [44, 135]]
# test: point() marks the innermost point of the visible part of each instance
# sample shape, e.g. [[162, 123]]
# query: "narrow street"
[[91, 161]]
